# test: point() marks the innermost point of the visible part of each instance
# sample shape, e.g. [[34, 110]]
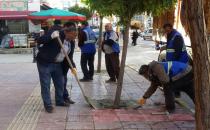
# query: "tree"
[[201, 53], [127, 9], [81, 10]]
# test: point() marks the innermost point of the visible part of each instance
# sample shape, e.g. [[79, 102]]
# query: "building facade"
[[14, 22]]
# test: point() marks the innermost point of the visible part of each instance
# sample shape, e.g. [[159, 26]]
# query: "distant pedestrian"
[[135, 36], [110, 47], [87, 41], [172, 76]]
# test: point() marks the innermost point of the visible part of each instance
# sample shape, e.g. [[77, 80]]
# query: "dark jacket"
[[178, 44], [48, 47]]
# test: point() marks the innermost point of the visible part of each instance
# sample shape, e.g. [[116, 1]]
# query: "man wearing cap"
[[87, 40], [49, 59], [172, 76]]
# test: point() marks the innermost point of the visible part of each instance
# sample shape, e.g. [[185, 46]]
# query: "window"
[[3, 28], [17, 26]]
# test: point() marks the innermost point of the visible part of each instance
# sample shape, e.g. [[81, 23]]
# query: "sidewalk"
[[21, 106]]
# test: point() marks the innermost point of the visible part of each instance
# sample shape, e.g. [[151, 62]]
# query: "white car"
[[147, 35]]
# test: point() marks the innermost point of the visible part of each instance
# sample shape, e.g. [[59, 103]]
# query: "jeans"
[[87, 61], [65, 92], [66, 67], [46, 72]]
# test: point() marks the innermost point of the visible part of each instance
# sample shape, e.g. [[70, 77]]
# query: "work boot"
[[69, 101], [49, 109], [64, 104]]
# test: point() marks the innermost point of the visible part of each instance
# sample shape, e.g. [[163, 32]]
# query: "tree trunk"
[[178, 14], [122, 67], [201, 59], [99, 45], [207, 15]]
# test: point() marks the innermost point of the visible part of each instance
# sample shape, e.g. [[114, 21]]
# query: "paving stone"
[[185, 124], [108, 125], [59, 115], [163, 125], [51, 126], [80, 118], [149, 110], [189, 128], [149, 117], [135, 125], [79, 110], [181, 117], [131, 117], [129, 129], [80, 125], [159, 129], [3, 126]]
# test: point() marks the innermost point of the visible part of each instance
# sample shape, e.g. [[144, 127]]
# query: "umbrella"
[[56, 14]]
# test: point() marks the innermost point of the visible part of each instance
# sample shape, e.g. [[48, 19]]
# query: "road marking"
[[27, 117]]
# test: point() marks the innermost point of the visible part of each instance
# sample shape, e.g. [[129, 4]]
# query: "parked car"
[[147, 35]]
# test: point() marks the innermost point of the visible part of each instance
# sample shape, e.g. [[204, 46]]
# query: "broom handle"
[[70, 64]]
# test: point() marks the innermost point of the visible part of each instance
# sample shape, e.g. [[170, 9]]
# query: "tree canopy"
[[81, 10], [126, 9]]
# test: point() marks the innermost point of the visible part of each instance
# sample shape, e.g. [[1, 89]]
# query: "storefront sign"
[[13, 5]]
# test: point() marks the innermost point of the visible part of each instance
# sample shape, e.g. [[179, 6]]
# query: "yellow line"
[[27, 117]]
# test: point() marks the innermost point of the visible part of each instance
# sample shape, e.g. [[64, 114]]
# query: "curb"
[[16, 51]]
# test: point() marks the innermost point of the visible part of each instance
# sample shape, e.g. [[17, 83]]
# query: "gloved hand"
[[55, 34], [74, 71], [141, 101]]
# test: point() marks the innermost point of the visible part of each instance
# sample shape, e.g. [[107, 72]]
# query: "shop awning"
[[14, 14]]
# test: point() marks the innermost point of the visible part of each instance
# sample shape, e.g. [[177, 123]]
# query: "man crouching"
[[171, 76]]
